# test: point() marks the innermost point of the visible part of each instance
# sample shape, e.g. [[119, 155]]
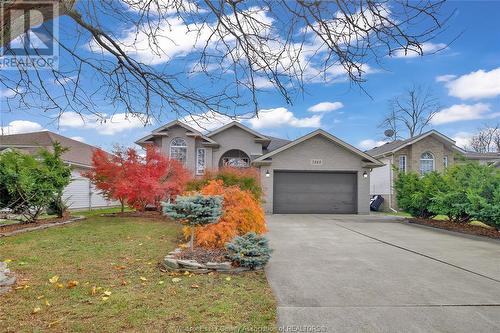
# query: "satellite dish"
[[389, 133]]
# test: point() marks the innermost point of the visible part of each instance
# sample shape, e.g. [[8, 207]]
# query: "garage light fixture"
[[365, 174], [268, 174]]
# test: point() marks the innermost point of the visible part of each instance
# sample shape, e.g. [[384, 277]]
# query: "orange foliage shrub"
[[242, 214]]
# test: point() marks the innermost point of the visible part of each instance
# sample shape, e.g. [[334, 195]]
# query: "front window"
[[200, 161], [445, 161], [426, 163], [234, 158], [402, 163], [178, 150]]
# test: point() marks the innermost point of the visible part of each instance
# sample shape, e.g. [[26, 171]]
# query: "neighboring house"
[[430, 151], [80, 193], [317, 173], [491, 158]]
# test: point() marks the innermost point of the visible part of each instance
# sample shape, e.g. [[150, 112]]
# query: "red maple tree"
[[138, 181]]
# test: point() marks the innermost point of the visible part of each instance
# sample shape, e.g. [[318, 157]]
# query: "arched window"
[[178, 149], [426, 163], [234, 158]]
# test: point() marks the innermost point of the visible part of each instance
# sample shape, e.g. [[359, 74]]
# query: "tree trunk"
[[122, 206], [191, 241]]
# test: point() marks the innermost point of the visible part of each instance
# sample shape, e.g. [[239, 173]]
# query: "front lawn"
[[114, 261]]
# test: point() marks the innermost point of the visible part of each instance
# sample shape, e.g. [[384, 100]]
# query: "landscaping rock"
[[6, 280], [219, 266], [190, 264], [170, 263]]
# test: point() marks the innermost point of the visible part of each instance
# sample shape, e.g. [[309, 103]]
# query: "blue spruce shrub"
[[249, 250]]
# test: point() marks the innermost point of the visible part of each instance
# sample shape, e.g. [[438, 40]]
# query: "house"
[[489, 158], [430, 151], [316, 173], [80, 193]]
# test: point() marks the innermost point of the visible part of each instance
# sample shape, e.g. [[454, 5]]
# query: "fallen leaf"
[[40, 297], [143, 278], [186, 273], [47, 303], [72, 284], [228, 278], [195, 286], [120, 267], [161, 282], [124, 283], [36, 310], [93, 291], [7, 261], [104, 298], [54, 279], [174, 280], [55, 322], [60, 285], [107, 293]]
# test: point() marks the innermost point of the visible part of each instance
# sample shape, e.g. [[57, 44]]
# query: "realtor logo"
[[29, 34]]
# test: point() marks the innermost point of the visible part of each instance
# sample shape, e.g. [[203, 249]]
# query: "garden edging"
[[43, 226], [172, 264]]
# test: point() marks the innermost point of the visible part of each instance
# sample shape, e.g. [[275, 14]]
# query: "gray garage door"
[[302, 192]]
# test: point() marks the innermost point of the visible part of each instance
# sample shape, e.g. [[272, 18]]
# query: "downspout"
[[391, 184]]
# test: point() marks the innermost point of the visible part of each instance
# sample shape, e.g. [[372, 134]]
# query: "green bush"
[[28, 184], [463, 192], [249, 250], [414, 193], [247, 179], [462, 183]]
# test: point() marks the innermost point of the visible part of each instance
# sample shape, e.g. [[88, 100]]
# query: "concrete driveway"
[[338, 273]]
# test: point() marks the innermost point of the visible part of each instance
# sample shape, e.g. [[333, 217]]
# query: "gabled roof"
[[394, 146], [241, 126], [171, 124], [79, 153], [327, 135]]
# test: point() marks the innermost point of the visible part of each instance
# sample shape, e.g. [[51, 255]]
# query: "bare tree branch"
[[133, 52]]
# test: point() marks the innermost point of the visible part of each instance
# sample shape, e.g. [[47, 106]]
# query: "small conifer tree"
[[195, 211]]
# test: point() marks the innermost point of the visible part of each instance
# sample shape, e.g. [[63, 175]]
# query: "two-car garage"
[[316, 174], [306, 192]]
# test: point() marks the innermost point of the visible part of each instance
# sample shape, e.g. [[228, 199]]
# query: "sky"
[[465, 77]]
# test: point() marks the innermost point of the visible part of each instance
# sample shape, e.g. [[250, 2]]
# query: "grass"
[[120, 255]]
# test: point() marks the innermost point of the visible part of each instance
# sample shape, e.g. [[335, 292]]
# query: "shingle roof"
[[79, 152], [482, 156], [389, 146], [275, 144], [394, 145]]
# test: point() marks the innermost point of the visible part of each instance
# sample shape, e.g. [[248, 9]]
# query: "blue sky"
[[465, 77]]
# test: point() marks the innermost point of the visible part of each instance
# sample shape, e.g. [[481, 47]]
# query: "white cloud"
[[413, 52], [326, 107], [460, 112], [263, 83], [78, 138], [8, 93], [462, 139], [207, 121], [476, 85], [445, 78], [21, 126], [103, 124], [279, 117], [370, 143]]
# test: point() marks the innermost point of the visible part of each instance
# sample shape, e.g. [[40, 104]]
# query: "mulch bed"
[[19, 226], [203, 255], [458, 227]]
